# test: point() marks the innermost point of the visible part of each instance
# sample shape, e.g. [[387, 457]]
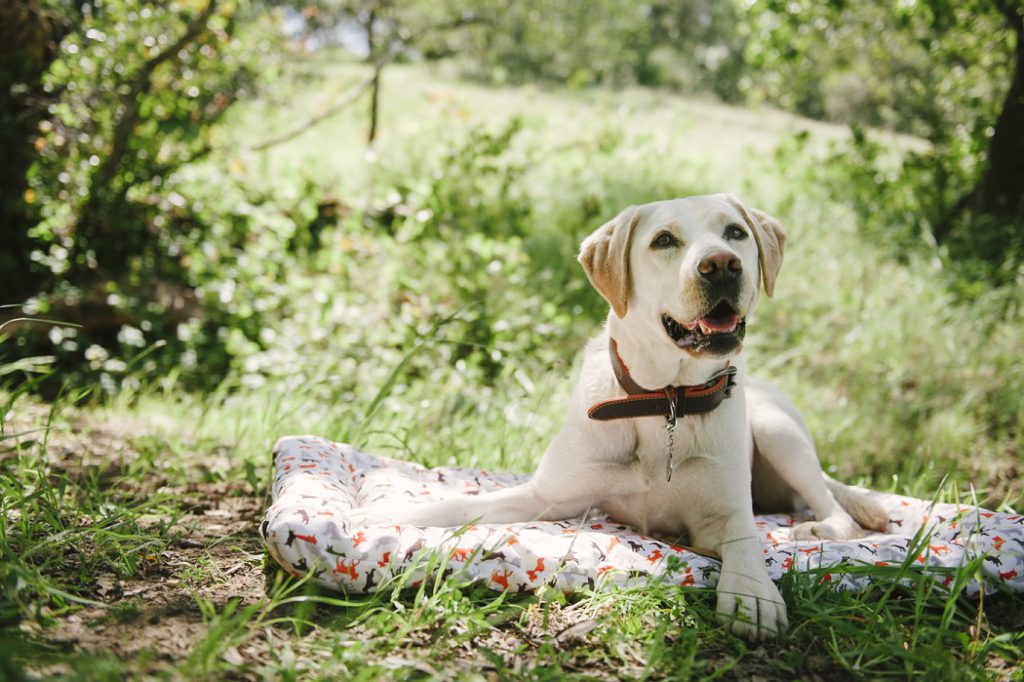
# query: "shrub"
[[135, 94]]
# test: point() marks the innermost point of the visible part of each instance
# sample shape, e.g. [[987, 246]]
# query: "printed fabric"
[[317, 483]]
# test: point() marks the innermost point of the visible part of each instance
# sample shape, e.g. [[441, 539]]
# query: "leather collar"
[[643, 402]]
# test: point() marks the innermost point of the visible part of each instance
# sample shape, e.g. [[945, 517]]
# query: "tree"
[[129, 96], [389, 30], [30, 36], [1000, 190], [134, 95], [691, 44], [98, 225], [951, 72]]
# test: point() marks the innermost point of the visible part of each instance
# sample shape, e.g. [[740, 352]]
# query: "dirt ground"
[[156, 613], [153, 621], [212, 552]]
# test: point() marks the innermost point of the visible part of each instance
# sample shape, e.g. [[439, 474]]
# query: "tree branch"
[[353, 95], [377, 63], [126, 124], [451, 25]]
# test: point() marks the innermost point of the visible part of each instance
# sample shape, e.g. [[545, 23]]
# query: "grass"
[[128, 534]]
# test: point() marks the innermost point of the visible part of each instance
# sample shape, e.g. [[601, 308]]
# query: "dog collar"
[[670, 402]]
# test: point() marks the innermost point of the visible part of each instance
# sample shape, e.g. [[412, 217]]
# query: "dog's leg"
[[520, 503], [793, 459], [530, 501], [783, 440], [864, 509], [748, 600], [565, 485]]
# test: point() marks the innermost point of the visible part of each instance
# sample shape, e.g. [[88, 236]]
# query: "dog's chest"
[[698, 444], [692, 437]]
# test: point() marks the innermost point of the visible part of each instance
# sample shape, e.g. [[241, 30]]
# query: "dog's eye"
[[665, 240], [735, 232]]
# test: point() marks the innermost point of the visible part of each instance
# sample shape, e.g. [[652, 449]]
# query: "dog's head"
[[687, 271]]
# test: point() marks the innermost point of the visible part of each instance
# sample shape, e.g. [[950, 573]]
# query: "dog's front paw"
[[835, 527], [815, 530], [751, 606]]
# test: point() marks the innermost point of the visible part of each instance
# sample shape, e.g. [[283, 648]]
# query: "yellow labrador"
[[681, 277]]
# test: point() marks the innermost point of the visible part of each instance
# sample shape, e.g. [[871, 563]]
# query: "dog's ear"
[[770, 238], [604, 256]]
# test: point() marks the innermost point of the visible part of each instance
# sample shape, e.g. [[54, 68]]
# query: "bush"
[[692, 46], [135, 94], [903, 198]]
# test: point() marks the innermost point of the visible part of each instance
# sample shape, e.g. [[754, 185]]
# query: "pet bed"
[[316, 483]]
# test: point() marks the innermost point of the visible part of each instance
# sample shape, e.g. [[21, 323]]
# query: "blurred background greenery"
[[257, 197]]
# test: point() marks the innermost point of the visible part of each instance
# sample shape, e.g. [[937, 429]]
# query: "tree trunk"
[[374, 105], [29, 37], [1000, 192], [371, 44]]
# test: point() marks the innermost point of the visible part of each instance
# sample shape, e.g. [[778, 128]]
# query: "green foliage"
[[932, 69], [136, 91], [139, 86], [613, 42], [902, 198], [937, 70]]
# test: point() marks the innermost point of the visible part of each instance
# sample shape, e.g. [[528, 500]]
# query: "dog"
[[665, 431]]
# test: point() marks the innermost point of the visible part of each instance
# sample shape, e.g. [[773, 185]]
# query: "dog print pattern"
[[317, 482]]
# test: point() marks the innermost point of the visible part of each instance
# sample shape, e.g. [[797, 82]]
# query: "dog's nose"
[[720, 266]]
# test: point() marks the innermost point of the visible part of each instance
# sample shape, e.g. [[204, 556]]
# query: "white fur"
[[619, 466]]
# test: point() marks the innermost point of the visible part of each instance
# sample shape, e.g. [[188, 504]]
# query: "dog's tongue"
[[719, 324]]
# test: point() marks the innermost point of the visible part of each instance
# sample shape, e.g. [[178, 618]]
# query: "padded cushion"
[[317, 482]]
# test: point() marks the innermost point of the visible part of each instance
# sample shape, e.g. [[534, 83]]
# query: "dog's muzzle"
[[719, 331]]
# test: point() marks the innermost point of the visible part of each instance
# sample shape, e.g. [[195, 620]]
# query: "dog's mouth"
[[718, 331]]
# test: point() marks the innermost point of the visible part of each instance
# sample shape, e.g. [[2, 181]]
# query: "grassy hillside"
[[449, 283], [897, 376]]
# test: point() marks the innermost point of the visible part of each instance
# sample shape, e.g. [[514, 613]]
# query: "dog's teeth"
[[691, 325]]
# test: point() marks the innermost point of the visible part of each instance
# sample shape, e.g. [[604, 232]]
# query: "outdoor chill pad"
[[316, 482]]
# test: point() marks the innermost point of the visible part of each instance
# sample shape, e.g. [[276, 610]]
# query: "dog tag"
[[670, 428]]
